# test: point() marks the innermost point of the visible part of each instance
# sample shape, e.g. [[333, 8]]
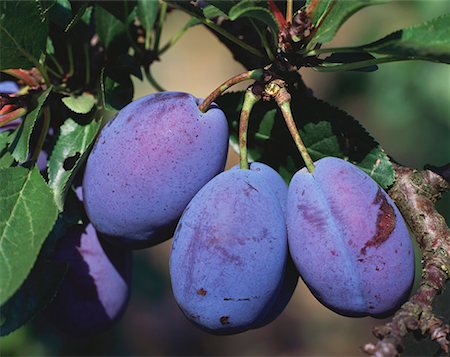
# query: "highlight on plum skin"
[[96, 288], [148, 163], [229, 253], [348, 240]]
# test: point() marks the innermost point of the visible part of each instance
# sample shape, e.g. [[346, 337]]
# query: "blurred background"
[[406, 108]]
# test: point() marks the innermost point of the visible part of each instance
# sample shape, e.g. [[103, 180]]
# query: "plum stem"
[[152, 80], [9, 117], [250, 99], [289, 7], [255, 74], [283, 99]]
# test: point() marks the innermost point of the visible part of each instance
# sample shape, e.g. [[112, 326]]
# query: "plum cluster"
[[241, 238]]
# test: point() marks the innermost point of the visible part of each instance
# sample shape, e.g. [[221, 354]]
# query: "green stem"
[[42, 134], [162, 16], [192, 22], [222, 32], [283, 99], [357, 65], [70, 58], [57, 64], [152, 80], [87, 64], [250, 99], [255, 74], [264, 41]]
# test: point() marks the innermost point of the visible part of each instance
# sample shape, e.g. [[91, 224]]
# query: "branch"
[[415, 194]]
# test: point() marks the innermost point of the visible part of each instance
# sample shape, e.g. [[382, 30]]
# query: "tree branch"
[[415, 194]]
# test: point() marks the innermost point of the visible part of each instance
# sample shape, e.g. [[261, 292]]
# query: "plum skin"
[[148, 163], [229, 253], [348, 240], [96, 288]]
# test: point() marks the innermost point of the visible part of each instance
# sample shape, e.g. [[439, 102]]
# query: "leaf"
[[23, 33], [331, 15], [21, 144], [117, 92], [147, 12], [61, 13], [82, 104], [211, 12], [428, 41], [79, 15], [68, 154], [34, 295], [28, 214], [107, 25], [248, 8], [352, 57], [325, 130]]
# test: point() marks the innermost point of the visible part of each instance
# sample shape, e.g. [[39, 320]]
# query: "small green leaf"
[[212, 12], [428, 41], [34, 295], [248, 8], [20, 147], [325, 130], [147, 12], [330, 15], [107, 25], [82, 104], [28, 213], [68, 154], [23, 33]]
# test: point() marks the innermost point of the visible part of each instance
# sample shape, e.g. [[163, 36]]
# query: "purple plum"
[[148, 163], [348, 240], [229, 253], [289, 282], [96, 288]]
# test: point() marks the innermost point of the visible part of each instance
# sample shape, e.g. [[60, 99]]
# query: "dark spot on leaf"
[[224, 320], [386, 221], [70, 162], [201, 292]]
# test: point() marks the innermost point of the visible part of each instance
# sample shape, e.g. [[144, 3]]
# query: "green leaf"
[[325, 130], [248, 8], [28, 214], [107, 25], [82, 104], [428, 41], [147, 12], [68, 154], [211, 12], [330, 15], [117, 92], [23, 33], [34, 295], [79, 15], [21, 144]]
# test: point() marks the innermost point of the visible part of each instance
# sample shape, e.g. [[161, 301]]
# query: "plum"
[[96, 288], [229, 253], [148, 163], [275, 182], [348, 240]]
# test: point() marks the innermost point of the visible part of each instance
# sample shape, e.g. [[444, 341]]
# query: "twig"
[[415, 193]]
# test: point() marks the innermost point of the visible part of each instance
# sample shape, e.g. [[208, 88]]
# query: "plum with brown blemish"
[[348, 240], [148, 163], [96, 288], [229, 253]]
